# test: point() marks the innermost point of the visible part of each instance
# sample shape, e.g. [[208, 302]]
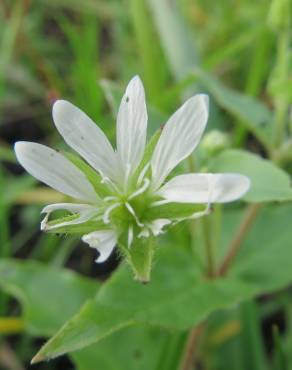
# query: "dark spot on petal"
[[82, 137], [127, 99]]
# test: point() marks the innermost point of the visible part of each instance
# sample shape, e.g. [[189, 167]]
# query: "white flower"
[[132, 180]]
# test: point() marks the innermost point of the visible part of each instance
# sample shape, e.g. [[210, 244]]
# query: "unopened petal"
[[52, 168], [179, 137], [85, 137], [205, 188], [104, 241], [132, 126]]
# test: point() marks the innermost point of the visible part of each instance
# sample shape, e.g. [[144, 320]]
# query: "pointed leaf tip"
[[37, 358]]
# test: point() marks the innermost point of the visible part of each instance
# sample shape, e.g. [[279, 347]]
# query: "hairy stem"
[[236, 242]]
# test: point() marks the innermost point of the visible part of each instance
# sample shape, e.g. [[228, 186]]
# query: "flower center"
[[126, 211]]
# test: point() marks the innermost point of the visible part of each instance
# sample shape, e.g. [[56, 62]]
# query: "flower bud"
[[215, 141]]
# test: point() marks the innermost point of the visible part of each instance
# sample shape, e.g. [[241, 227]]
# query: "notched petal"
[[103, 241], [79, 214]]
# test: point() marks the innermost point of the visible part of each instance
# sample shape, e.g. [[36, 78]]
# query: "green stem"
[[217, 224], [240, 235], [191, 345], [209, 247]]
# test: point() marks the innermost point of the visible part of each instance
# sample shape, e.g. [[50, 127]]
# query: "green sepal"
[[80, 229], [147, 155], [93, 177], [173, 211], [140, 256]]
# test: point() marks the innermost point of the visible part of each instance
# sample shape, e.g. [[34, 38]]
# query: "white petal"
[[230, 187], [132, 126], [71, 207], [205, 188], [179, 137], [85, 212], [157, 226], [52, 168], [85, 137], [104, 241], [145, 233]]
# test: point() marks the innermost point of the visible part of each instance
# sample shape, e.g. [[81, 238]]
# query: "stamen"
[[108, 211], [108, 181], [127, 173], [143, 173], [159, 203], [130, 236], [140, 190], [131, 210]]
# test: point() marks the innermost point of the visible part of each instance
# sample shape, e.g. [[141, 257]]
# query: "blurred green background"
[[86, 52]]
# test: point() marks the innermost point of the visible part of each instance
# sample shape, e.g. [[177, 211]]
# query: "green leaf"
[[49, 296], [170, 300], [265, 257], [250, 111], [138, 347], [154, 69], [175, 37], [268, 182], [82, 41], [178, 297], [253, 350]]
